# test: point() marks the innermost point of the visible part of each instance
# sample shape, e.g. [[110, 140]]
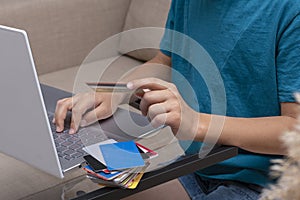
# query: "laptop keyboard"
[[70, 146]]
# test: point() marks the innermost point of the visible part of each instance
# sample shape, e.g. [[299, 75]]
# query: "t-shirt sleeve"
[[288, 61], [166, 41]]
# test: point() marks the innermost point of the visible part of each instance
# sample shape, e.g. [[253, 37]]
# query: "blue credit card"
[[121, 155]]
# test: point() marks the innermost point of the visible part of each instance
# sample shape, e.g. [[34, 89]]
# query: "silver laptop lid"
[[24, 130]]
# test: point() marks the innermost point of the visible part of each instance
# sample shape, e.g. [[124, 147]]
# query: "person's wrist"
[[202, 127], [194, 127], [118, 98]]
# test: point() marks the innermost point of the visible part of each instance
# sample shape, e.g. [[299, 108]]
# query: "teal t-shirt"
[[256, 48]]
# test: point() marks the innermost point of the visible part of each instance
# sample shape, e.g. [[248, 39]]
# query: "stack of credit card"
[[117, 164]]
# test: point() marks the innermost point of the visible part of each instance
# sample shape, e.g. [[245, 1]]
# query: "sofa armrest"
[[62, 33]]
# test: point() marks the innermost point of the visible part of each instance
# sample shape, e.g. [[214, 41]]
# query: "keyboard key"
[[73, 139], [69, 152], [74, 146], [61, 149], [66, 143], [77, 155], [67, 157]]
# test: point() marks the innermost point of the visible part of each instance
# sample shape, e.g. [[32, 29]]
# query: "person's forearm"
[[161, 59], [259, 135], [158, 67]]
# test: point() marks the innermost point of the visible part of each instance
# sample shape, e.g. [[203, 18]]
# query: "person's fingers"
[[78, 111], [103, 111], [139, 93], [159, 120], [157, 109], [81, 104], [62, 107], [149, 83], [152, 97]]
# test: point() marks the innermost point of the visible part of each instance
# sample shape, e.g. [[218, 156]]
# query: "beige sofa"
[[62, 34]]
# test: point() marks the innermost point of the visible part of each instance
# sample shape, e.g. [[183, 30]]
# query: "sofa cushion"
[[144, 13], [62, 33], [73, 79]]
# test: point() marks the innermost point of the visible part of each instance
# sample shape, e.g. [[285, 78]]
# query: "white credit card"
[[94, 150]]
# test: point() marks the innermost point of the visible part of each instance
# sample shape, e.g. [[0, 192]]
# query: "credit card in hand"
[[108, 87]]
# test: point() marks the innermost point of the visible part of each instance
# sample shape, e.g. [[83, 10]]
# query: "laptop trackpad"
[[127, 125]]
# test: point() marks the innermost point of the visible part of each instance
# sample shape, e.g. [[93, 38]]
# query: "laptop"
[[27, 109]]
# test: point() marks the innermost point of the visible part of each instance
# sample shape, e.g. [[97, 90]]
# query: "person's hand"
[[163, 105], [86, 108]]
